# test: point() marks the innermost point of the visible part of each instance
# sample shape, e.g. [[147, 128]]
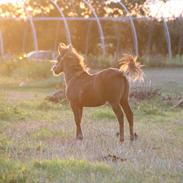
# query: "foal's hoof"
[[79, 137], [121, 141], [134, 137]]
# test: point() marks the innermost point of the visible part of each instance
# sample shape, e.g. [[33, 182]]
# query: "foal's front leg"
[[77, 110]]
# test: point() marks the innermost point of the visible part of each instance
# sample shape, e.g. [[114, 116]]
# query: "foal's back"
[[112, 83], [91, 90]]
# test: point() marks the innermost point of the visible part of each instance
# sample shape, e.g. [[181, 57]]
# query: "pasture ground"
[[37, 142]]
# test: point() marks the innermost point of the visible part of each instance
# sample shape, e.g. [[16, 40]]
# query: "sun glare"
[[169, 9], [11, 1], [157, 8]]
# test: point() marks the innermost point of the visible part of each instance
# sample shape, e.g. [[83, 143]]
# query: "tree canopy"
[[73, 8]]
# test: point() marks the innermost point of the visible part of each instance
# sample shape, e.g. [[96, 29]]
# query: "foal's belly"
[[92, 103], [91, 99]]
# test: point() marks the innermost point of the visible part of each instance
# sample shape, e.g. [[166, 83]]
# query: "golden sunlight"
[[169, 9], [11, 1], [157, 8]]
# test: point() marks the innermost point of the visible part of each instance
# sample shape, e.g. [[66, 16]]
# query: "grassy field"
[[37, 138]]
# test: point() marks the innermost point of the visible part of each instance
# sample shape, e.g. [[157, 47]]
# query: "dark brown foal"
[[92, 90]]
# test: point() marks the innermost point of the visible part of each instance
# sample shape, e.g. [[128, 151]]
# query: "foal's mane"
[[80, 60]]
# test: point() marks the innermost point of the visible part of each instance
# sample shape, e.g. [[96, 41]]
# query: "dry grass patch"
[[37, 140]]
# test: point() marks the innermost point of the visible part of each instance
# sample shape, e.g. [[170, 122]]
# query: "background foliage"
[[118, 35]]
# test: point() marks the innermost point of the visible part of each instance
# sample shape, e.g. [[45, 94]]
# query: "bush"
[[34, 70], [24, 68], [106, 61], [161, 61], [100, 61]]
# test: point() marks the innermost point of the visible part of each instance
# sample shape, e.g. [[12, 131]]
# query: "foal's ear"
[[61, 47], [70, 47]]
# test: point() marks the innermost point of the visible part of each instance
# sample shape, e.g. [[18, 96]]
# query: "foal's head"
[[68, 58]]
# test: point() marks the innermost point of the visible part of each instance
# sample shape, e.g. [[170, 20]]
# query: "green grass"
[[55, 170], [37, 138], [73, 171], [103, 113], [9, 112], [11, 171]]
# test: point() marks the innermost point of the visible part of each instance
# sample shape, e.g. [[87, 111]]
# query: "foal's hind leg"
[[129, 114], [77, 110], [119, 114]]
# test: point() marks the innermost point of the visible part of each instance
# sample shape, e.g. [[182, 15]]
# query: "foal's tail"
[[131, 67]]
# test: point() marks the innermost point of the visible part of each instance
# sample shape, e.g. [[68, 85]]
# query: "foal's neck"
[[71, 73]]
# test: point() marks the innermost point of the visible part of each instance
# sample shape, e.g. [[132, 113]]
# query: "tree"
[[73, 8]]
